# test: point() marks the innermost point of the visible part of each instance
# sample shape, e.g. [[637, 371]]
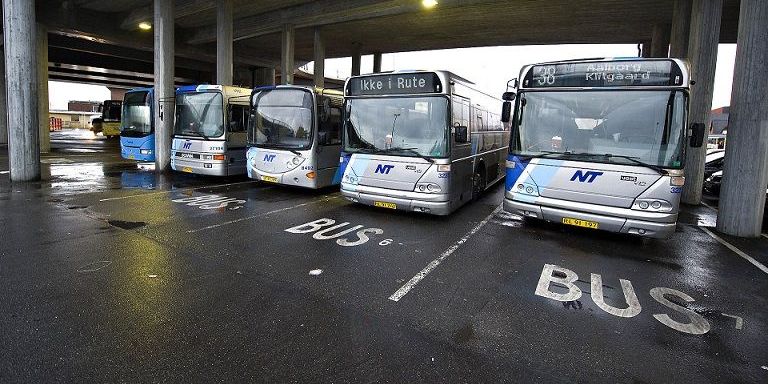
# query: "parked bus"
[[210, 131], [295, 135], [137, 128], [600, 144], [423, 141], [110, 118]]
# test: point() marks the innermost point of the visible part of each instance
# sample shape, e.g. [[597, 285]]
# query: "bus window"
[[329, 132], [238, 118]]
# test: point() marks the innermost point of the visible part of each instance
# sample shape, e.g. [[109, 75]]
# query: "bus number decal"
[[443, 175]]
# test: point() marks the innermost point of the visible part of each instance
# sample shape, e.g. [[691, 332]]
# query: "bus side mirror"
[[506, 111], [460, 134], [508, 96], [697, 135]]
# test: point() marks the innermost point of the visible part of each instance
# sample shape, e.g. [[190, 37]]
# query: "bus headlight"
[[677, 181], [253, 161], [428, 188], [351, 179], [526, 189], [652, 205], [296, 160]]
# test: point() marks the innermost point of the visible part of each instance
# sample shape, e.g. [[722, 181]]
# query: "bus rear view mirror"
[[460, 134], [506, 111], [508, 96], [697, 135]]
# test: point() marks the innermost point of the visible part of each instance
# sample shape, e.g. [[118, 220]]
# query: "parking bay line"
[[176, 190], [261, 214], [432, 265], [736, 250]]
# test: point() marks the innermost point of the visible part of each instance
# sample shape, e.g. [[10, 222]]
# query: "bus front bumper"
[[206, 167], [435, 204], [621, 220], [134, 153]]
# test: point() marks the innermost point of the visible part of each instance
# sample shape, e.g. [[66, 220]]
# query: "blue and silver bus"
[[423, 141], [600, 144], [209, 135], [137, 129], [295, 135]]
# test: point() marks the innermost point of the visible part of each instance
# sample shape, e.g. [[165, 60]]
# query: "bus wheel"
[[478, 184]]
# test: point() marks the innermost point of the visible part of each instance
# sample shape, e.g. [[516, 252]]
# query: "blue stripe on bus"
[[514, 173], [345, 157]]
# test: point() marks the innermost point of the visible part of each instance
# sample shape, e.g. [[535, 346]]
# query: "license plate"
[[383, 204], [269, 179], [187, 169], [580, 223]]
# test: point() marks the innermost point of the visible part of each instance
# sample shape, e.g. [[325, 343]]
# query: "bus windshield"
[[200, 114], [282, 118], [621, 127], [137, 116], [111, 111], [407, 126]]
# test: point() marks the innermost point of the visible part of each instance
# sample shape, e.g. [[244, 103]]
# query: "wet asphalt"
[[111, 273]]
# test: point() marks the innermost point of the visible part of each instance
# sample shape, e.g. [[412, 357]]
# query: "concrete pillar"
[[745, 174], [3, 107], [42, 88], [224, 42], [263, 76], [377, 62], [286, 59], [646, 51], [681, 29], [164, 92], [319, 59], [356, 59], [117, 93], [19, 32], [702, 51], [660, 40]]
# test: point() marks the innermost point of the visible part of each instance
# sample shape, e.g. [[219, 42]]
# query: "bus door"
[[328, 140], [461, 150], [237, 124]]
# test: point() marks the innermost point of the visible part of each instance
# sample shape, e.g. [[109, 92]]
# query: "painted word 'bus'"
[[423, 141], [295, 135], [600, 144], [209, 136], [137, 128]]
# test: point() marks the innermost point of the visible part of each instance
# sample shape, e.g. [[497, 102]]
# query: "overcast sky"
[[488, 67]]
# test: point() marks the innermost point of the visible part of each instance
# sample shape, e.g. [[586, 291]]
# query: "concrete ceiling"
[[373, 25]]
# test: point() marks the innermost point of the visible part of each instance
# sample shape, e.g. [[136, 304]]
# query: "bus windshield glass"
[[111, 111], [282, 118], [405, 126], [200, 114], [137, 119], [623, 127]]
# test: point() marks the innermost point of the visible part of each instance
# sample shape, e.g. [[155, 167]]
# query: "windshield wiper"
[[410, 150], [193, 133], [656, 168]]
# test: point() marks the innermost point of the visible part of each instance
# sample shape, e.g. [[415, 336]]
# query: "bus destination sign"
[[605, 74], [394, 84]]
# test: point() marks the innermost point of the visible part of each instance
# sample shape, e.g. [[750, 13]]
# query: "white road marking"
[[736, 250], [432, 265], [260, 215], [739, 320], [95, 266], [177, 190], [315, 272], [764, 235], [709, 206], [4, 172]]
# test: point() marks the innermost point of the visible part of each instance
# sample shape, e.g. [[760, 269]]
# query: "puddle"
[[127, 224]]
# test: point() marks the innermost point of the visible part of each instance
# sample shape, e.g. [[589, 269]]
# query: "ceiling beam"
[[321, 12], [182, 8]]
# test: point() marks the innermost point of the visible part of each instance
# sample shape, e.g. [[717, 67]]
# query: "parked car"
[[712, 187], [714, 162]]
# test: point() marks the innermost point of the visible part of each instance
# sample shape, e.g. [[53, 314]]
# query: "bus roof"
[[316, 90], [625, 72]]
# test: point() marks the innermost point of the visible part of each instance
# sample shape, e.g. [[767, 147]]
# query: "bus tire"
[[478, 182]]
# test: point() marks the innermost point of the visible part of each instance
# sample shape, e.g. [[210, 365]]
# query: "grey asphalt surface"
[[111, 273]]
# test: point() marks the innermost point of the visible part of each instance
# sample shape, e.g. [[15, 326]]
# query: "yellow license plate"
[[382, 204], [580, 223], [269, 179], [187, 169]]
